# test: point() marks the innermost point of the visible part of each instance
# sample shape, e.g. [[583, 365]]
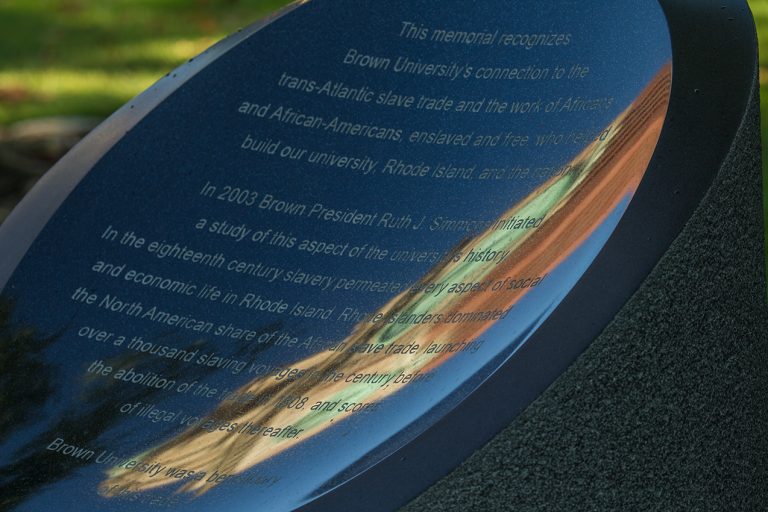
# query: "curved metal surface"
[[298, 263]]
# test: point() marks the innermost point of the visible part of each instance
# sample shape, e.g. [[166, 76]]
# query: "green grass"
[[760, 12], [76, 57]]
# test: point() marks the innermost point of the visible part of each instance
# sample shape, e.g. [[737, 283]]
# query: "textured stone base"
[[667, 409]]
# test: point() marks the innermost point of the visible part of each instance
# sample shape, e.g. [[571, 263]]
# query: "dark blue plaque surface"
[[299, 251]]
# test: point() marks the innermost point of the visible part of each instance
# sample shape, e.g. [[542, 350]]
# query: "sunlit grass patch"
[[90, 56], [61, 91]]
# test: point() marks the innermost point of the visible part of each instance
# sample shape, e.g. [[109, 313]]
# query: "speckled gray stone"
[[666, 411]]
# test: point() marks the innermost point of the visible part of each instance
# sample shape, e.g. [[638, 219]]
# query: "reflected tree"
[[29, 384], [25, 380]]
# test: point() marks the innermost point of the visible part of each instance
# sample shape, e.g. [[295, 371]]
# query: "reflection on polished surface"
[[286, 272], [455, 302]]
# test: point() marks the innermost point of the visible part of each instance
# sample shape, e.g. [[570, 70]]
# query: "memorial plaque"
[[300, 251]]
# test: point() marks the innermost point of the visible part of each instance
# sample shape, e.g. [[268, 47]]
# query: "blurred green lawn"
[[760, 12], [88, 57]]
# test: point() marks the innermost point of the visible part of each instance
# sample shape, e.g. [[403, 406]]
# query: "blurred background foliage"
[[760, 12], [88, 57], [84, 58]]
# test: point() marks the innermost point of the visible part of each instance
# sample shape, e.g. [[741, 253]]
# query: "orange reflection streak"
[[573, 206]]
